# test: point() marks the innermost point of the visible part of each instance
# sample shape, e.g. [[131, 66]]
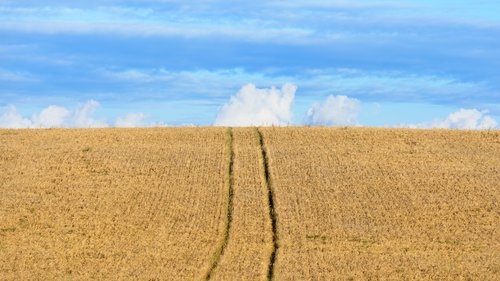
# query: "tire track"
[[216, 257], [272, 211]]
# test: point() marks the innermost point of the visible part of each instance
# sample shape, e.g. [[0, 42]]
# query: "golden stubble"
[[249, 247], [111, 203], [324, 204], [388, 204]]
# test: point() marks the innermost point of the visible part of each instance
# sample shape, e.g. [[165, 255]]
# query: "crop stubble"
[[250, 241], [94, 204], [195, 203], [385, 203]]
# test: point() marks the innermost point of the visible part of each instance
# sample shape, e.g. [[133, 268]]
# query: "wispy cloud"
[[289, 21], [367, 85], [241, 32], [13, 76]]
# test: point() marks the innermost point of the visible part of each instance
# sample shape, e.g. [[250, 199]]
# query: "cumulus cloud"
[[335, 111], [131, 120], [463, 119], [469, 119], [13, 119], [83, 116], [51, 117], [60, 117], [258, 107]]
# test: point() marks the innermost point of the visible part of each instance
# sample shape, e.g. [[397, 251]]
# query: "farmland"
[[94, 204], [249, 203], [386, 204]]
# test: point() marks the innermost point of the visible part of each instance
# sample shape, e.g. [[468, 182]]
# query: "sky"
[[419, 64]]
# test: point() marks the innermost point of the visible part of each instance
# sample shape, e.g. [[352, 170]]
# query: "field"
[[386, 204], [249, 204], [106, 204]]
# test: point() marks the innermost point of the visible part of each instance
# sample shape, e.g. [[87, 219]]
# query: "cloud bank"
[[13, 119], [83, 116], [463, 119], [258, 107], [250, 106], [50, 117], [335, 111], [60, 117], [468, 119], [131, 120]]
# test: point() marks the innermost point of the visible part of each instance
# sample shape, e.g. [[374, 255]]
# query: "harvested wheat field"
[[249, 204], [111, 204], [386, 204]]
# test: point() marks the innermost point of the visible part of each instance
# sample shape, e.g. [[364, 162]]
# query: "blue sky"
[[179, 62]]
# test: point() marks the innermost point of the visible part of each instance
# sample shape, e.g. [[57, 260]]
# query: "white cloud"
[[131, 120], [463, 119], [469, 119], [258, 107], [51, 117], [60, 117], [13, 119], [83, 116], [335, 111]]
